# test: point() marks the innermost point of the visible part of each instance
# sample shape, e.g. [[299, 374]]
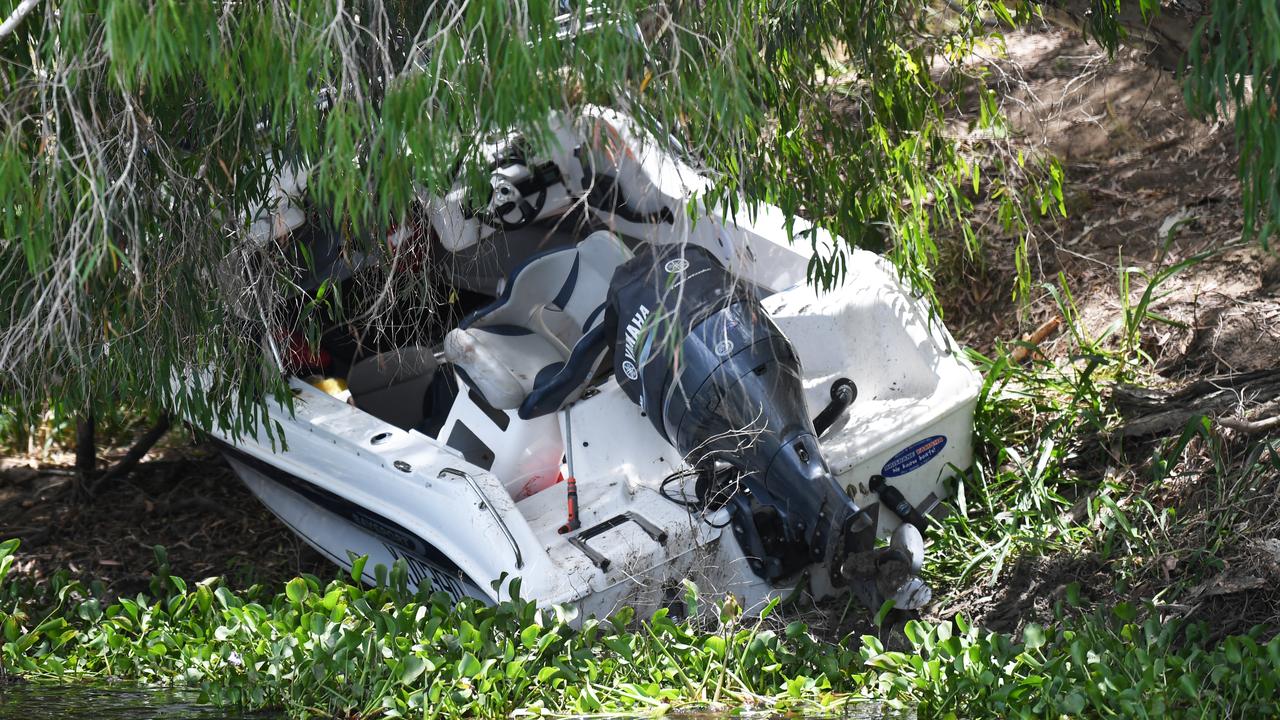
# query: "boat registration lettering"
[[914, 456]]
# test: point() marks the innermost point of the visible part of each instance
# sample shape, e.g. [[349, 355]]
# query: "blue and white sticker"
[[914, 456]]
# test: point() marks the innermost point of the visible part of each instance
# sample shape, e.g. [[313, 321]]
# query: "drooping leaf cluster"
[[1235, 69], [138, 139]]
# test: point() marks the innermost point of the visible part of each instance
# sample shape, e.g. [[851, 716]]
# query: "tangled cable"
[[715, 488]]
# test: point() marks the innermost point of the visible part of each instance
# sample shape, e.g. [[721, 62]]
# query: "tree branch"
[[11, 23], [135, 454]]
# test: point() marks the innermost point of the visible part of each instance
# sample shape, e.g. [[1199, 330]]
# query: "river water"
[[34, 701]]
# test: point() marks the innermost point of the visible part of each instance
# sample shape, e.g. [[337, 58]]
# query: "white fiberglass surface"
[[871, 330]]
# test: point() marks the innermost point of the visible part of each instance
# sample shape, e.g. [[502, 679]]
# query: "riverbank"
[[1115, 550], [182, 497]]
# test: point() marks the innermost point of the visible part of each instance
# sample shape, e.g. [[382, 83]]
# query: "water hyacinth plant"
[[342, 650]]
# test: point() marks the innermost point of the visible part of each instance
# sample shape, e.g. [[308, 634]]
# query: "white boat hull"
[[479, 507]]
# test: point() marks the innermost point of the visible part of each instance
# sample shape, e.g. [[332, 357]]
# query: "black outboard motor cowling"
[[718, 379]]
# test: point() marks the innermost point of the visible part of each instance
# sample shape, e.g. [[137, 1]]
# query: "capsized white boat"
[[652, 393]]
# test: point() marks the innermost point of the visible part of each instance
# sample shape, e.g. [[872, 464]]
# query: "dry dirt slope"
[[1149, 188]]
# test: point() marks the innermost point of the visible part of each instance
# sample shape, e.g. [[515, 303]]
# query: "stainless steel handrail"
[[515, 548]]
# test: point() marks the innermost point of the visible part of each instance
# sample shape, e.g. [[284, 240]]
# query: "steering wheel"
[[505, 199]]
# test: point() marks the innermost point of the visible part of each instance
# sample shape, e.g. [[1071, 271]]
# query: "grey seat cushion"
[[503, 365], [393, 385], [533, 349]]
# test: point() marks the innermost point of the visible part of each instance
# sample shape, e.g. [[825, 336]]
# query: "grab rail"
[[515, 548]]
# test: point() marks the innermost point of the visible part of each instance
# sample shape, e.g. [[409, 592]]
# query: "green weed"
[[340, 650], [1046, 476]]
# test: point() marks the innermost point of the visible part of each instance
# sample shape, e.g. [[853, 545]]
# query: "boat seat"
[[539, 345], [394, 385]]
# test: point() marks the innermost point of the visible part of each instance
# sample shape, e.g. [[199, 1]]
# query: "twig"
[[1250, 427], [1032, 340]]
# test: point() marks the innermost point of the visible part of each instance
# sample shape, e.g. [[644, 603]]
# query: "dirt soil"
[[1148, 186], [184, 498]]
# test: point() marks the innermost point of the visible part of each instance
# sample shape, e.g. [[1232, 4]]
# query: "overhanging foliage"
[[138, 136]]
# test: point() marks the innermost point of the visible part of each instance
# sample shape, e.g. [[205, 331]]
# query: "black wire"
[[701, 506], [679, 475], [722, 525]]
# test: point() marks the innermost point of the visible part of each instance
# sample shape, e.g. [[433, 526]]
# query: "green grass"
[[52, 427], [1053, 475]]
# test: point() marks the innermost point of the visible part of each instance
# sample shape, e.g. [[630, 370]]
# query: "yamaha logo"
[[634, 328], [677, 265], [724, 347]]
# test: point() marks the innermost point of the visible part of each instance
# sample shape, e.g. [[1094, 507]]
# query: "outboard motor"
[[718, 379]]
